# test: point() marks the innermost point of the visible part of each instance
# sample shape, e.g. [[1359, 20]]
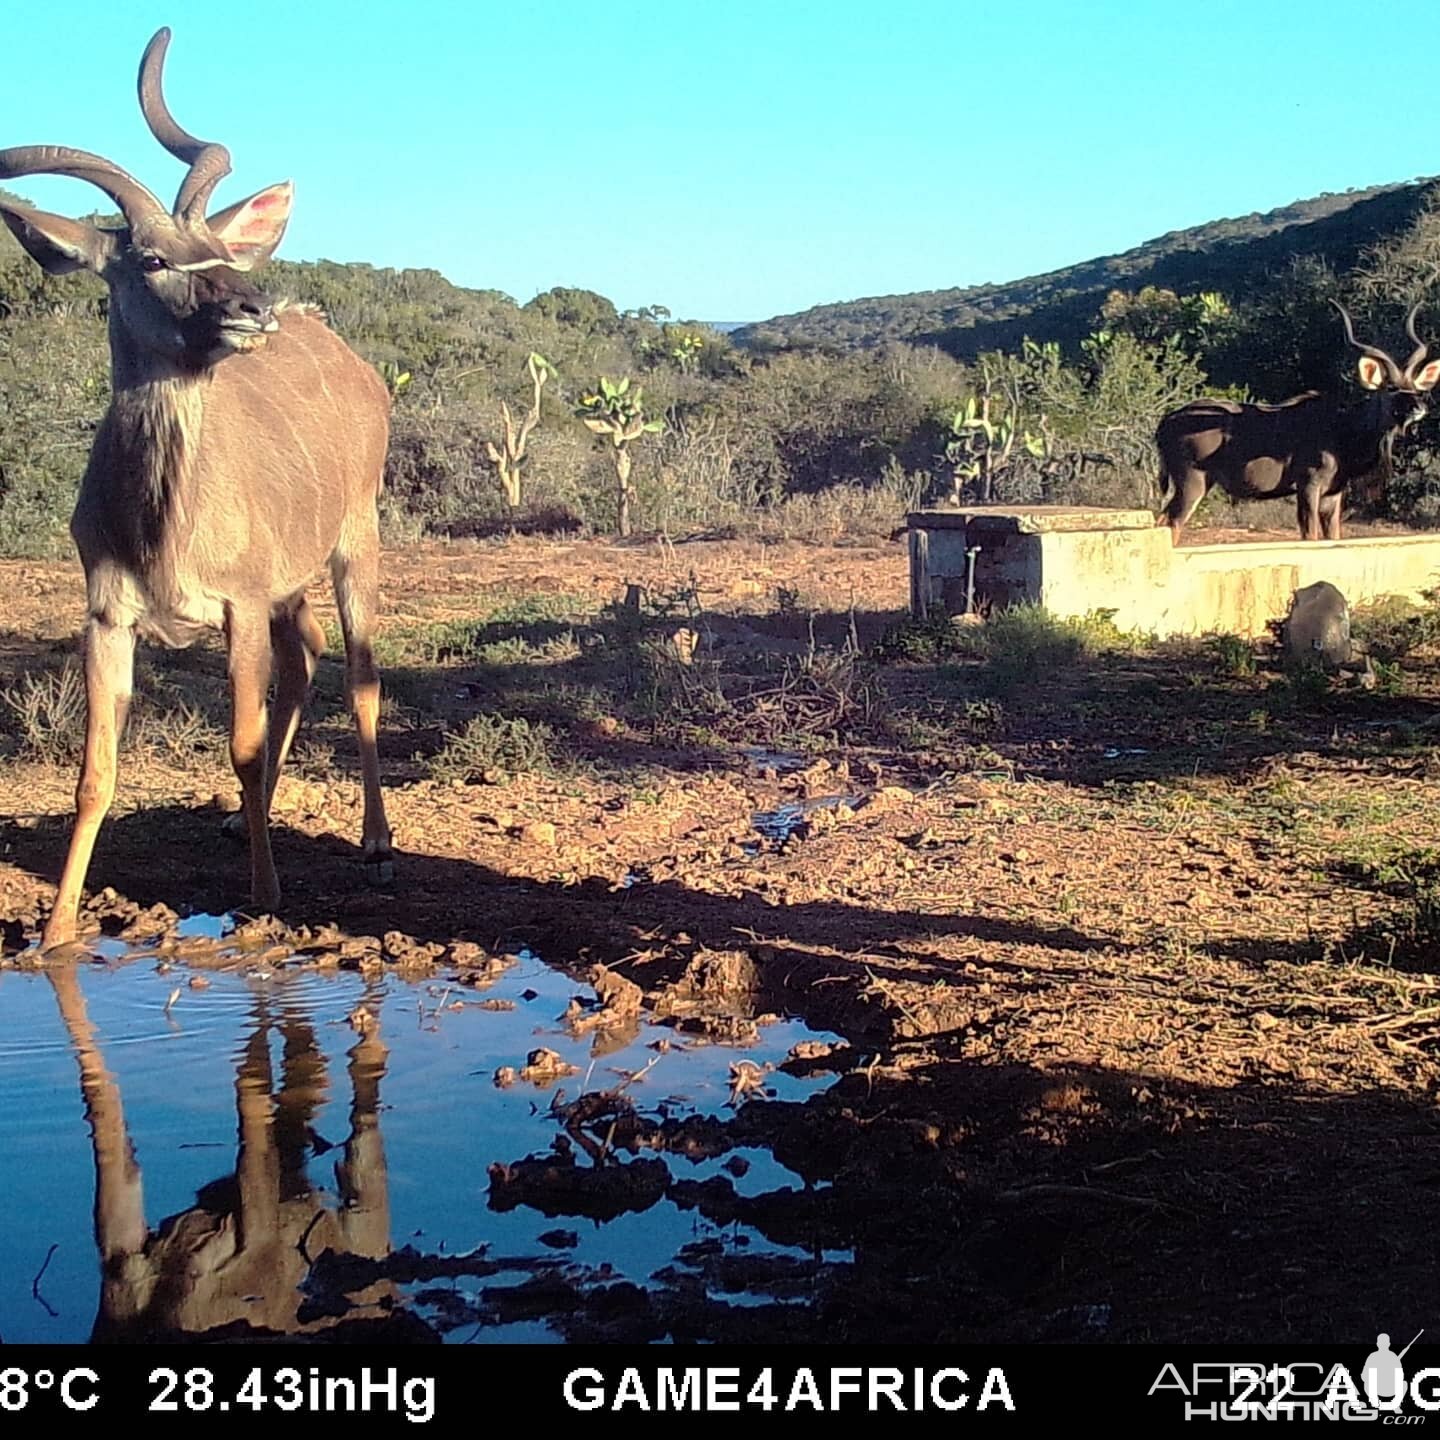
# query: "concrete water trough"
[[1077, 559]]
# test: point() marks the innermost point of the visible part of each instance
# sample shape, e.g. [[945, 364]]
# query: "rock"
[[538, 832], [403, 949], [559, 1186], [811, 1050], [720, 1028], [297, 797], [888, 797], [618, 1008], [617, 994], [467, 954], [816, 779], [684, 642], [157, 920], [1317, 629], [819, 820], [544, 1067]]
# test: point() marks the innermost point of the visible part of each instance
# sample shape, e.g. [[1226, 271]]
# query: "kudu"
[[243, 448], [1307, 446], [235, 1262]]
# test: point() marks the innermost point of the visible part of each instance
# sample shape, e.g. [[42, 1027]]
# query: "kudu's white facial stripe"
[[213, 264]]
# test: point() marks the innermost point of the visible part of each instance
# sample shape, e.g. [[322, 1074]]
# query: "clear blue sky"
[[735, 159]]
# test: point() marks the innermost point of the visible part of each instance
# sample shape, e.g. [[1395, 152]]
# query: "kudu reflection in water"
[[236, 1259]]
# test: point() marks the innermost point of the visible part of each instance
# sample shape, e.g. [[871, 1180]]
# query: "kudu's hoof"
[[232, 827], [380, 866]]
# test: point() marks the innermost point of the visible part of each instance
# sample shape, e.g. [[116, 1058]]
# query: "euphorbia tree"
[[509, 455], [617, 409], [985, 431]]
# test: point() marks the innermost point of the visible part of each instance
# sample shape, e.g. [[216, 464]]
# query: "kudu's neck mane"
[[152, 435], [1367, 431]]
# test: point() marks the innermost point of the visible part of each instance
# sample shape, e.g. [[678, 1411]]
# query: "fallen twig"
[[39, 1276], [1403, 1018], [639, 1074], [1078, 1192]]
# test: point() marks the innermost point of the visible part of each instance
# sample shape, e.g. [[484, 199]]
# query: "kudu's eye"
[[151, 263]]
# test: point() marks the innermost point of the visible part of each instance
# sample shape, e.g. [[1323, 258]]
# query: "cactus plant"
[[396, 379], [509, 454], [616, 408], [681, 347], [984, 434]]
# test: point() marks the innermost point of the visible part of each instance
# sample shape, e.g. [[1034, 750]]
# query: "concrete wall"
[[1076, 560]]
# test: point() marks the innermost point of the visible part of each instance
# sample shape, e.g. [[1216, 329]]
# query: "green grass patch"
[[1232, 655], [495, 748], [1026, 644]]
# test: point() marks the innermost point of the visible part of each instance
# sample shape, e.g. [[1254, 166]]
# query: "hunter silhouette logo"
[[1318, 1388], [1384, 1375]]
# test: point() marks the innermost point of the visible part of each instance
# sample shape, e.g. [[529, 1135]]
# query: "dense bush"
[[819, 441]]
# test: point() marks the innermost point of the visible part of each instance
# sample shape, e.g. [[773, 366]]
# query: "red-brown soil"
[[1134, 961]]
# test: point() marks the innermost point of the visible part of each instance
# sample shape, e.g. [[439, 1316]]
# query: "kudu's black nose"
[[250, 306]]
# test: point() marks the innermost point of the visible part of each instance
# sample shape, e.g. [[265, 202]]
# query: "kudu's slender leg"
[[357, 588], [298, 641], [248, 641], [257, 1165], [1187, 494], [109, 676], [303, 1088], [361, 1174], [126, 1275], [1330, 511]]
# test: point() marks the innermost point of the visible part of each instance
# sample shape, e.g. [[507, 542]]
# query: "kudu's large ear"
[[252, 229], [56, 244], [1372, 372], [1427, 377]]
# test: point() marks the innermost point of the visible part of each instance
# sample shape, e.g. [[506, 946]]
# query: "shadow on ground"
[[995, 1201]]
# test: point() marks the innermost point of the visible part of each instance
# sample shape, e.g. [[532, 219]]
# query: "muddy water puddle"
[[285, 1150], [780, 824]]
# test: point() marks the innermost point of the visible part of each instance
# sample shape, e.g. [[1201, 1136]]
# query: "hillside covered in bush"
[[506, 413], [1231, 256]]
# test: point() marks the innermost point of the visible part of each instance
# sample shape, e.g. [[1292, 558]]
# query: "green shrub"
[[1232, 654], [1026, 644], [1392, 627], [495, 748]]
